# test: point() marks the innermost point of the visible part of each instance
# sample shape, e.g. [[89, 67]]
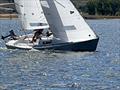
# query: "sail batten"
[[31, 14]]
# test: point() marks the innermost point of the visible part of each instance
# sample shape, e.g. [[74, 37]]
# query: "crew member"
[[48, 33], [37, 34]]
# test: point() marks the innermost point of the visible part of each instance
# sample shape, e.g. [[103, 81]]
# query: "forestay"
[[31, 14]]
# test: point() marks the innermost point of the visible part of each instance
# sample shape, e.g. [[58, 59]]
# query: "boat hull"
[[18, 44], [90, 45], [16, 47]]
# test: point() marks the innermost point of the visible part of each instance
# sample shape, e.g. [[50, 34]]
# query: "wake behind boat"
[[59, 24]]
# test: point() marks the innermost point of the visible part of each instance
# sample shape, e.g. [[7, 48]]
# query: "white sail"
[[66, 22], [31, 14]]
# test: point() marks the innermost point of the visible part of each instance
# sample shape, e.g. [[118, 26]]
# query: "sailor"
[[37, 35], [11, 35], [48, 33]]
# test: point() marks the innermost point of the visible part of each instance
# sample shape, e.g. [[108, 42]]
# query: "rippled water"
[[59, 70]]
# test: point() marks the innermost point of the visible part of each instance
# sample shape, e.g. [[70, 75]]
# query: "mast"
[[31, 14]]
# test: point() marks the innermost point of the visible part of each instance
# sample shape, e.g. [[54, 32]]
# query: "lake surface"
[[59, 70]]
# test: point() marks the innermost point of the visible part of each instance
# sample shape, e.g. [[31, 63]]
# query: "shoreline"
[[100, 17], [8, 16], [12, 16]]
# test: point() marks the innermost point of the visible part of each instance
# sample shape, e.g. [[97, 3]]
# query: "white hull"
[[13, 44], [25, 42]]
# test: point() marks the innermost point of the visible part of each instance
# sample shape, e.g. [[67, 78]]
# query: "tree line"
[[101, 7]]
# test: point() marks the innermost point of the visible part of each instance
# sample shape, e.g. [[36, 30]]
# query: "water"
[[59, 70]]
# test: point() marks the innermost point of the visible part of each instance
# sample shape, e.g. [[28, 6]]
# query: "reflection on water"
[[59, 70]]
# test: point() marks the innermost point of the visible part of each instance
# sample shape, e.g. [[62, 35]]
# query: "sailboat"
[[69, 30], [32, 18]]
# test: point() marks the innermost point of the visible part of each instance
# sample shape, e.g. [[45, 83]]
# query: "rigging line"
[[60, 3]]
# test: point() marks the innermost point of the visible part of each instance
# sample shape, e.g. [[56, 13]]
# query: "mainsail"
[[66, 22], [31, 14]]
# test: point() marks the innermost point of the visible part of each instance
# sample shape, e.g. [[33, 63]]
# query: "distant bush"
[[117, 13], [99, 7], [103, 7]]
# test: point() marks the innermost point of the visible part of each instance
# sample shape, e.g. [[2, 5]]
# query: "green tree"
[[91, 7], [103, 7], [115, 6]]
